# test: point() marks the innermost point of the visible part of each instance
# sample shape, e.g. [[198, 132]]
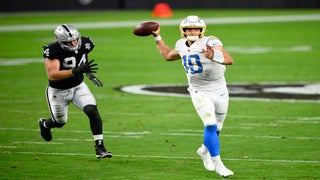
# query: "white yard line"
[[165, 157], [168, 22], [169, 133], [243, 136]]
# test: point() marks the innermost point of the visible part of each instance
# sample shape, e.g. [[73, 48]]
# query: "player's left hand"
[[94, 79]]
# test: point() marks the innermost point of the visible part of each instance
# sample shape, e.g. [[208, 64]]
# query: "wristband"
[[218, 56], [158, 38]]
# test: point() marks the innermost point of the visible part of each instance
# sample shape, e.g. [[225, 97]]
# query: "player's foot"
[[206, 159], [45, 132], [101, 152], [222, 170]]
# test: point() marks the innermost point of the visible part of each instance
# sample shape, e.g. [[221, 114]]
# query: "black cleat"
[[101, 152], [45, 132]]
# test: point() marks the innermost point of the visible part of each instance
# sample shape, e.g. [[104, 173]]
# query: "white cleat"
[[206, 158], [222, 170]]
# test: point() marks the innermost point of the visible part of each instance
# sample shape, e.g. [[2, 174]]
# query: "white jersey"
[[202, 73]]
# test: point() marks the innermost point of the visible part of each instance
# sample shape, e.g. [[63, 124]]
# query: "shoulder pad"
[[50, 50], [213, 41]]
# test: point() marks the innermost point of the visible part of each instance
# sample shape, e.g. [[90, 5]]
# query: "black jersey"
[[68, 60]]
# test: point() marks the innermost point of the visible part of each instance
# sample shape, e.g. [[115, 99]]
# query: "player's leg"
[[204, 106], [205, 110], [58, 107], [221, 102], [84, 99], [221, 99]]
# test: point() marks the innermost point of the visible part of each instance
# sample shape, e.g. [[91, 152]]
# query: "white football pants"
[[211, 106], [59, 100]]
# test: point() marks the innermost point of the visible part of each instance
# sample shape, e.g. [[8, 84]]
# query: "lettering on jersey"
[[263, 91], [69, 62], [192, 64], [46, 52]]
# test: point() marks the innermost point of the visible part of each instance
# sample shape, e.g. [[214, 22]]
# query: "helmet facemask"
[[66, 33], [192, 22]]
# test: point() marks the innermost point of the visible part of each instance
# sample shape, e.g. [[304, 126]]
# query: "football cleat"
[[45, 132], [101, 152], [222, 170], [206, 158]]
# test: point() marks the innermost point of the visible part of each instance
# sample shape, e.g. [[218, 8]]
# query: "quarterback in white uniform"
[[204, 60]]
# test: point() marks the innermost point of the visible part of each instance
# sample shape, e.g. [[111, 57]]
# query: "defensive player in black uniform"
[[66, 60]]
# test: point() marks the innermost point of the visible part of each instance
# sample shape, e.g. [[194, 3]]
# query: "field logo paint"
[[260, 91]]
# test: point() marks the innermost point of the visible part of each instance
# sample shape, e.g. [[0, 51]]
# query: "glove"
[[84, 68], [94, 79]]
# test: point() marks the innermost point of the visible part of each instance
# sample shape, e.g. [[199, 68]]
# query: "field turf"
[[156, 137]]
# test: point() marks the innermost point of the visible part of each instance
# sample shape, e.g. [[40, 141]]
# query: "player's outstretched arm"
[[165, 51]]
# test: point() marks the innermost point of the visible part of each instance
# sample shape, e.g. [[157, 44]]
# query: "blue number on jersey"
[[192, 63]]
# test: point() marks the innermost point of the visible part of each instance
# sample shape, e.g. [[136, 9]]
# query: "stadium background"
[[54, 5]]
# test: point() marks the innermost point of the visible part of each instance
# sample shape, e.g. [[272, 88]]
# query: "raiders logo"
[[260, 91]]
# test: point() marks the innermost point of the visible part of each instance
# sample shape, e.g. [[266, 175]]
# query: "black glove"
[[84, 68], [94, 79]]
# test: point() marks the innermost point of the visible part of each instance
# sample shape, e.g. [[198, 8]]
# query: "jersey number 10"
[[192, 64]]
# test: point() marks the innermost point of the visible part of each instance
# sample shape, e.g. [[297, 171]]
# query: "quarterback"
[[204, 60], [66, 60]]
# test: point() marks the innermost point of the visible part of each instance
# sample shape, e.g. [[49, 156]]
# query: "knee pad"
[[90, 109], [209, 121], [220, 120]]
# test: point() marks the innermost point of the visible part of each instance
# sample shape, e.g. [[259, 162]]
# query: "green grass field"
[[156, 137]]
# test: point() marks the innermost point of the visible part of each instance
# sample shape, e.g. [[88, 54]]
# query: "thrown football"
[[145, 28]]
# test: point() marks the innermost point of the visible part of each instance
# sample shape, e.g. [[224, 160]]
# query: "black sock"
[[99, 142], [50, 123]]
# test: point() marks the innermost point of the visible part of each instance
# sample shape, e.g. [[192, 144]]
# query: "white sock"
[[204, 149], [217, 159], [98, 137]]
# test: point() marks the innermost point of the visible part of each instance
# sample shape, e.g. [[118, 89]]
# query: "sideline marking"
[[52, 143], [175, 22], [235, 49], [264, 50], [19, 61], [165, 157]]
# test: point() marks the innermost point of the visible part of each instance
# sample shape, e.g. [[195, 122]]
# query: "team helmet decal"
[[66, 33], [192, 22]]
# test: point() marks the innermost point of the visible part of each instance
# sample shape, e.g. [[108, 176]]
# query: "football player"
[[66, 60], [204, 60]]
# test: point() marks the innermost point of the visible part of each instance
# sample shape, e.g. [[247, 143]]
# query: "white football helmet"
[[66, 33], [192, 22]]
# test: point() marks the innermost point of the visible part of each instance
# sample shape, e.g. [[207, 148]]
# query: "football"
[[145, 28]]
